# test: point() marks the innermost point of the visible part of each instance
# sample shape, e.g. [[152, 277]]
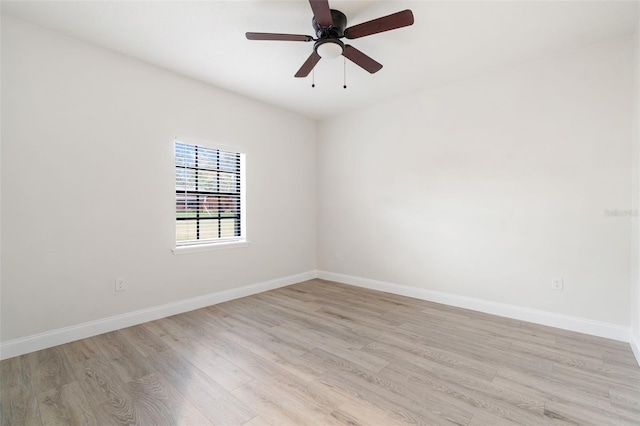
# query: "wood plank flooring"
[[327, 354]]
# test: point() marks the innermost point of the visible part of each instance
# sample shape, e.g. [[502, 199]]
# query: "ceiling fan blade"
[[321, 12], [360, 59], [281, 37], [308, 65], [386, 23]]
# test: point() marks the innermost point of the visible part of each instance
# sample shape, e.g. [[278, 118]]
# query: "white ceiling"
[[450, 40]]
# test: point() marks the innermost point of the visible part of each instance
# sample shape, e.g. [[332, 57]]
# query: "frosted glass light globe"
[[329, 50]]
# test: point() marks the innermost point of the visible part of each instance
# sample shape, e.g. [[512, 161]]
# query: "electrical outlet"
[[556, 284], [120, 285]]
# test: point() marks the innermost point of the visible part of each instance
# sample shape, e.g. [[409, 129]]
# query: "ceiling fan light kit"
[[330, 26], [329, 49]]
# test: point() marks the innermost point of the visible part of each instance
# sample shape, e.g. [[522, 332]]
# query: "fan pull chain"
[[313, 78], [345, 72]]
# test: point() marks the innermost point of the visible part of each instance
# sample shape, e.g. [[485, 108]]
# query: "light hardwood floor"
[[328, 354]]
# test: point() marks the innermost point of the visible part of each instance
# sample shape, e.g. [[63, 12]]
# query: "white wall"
[[490, 187], [0, 183], [635, 252], [87, 184]]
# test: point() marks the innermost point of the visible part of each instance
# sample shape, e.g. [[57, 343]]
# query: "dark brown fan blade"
[[321, 12], [308, 65], [386, 23], [282, 37], [360, 59]]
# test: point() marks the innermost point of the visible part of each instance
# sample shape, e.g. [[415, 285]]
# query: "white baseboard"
[[36, 342], [581, 325], [635, 347], [60, 336]]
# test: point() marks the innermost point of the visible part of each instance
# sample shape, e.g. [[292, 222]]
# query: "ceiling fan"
[[330, 27]]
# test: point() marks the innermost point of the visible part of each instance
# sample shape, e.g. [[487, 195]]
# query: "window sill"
[[209, 247]]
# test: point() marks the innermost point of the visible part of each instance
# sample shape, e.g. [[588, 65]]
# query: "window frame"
[[219, 243]]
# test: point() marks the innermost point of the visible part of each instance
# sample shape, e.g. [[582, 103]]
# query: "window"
[[209, 195]]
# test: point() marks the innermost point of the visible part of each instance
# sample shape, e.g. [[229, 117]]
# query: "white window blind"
[[208, 195]]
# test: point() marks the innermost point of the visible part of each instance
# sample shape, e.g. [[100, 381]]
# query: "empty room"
[[320, 212]]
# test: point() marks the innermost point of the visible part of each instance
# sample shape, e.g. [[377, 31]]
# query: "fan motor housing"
[[334, 31]]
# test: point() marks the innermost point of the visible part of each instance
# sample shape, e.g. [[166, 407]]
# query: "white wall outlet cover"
[[556, 283], [120, 284]]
